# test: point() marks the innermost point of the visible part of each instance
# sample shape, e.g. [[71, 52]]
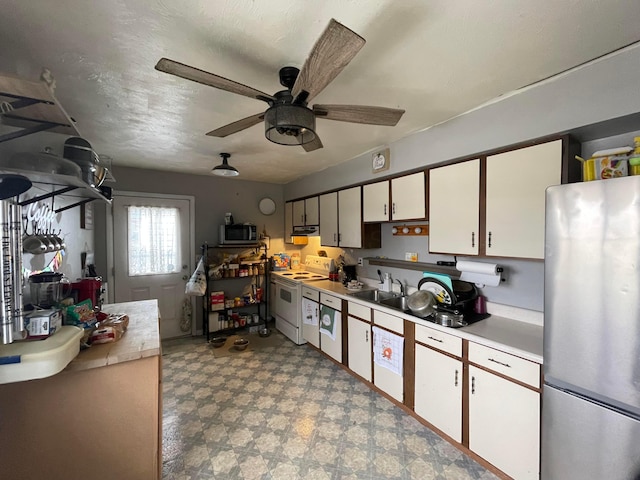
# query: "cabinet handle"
[[499, 363], [394, 208], [473, 385], [456, 379], [473, 239], [305, 218], [334, 237], [339, 237], [435, 339], [489, 239], [366, 336], [385, 208]]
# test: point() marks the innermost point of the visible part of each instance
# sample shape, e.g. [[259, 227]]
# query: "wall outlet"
[[360, 261]]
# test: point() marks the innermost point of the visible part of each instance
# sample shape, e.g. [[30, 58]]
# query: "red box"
[[217, 300]]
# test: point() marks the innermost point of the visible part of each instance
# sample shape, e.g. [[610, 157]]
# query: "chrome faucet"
[[401, 286]]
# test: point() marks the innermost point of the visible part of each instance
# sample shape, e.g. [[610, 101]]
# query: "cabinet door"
[[311, 313], [350, 217], [454, 208], [298, 213], [288, 222], [311, 211], [360, 347], [375, 202], [408, 197], [438, 391], [504, 424], [329, 219], [516, 184]]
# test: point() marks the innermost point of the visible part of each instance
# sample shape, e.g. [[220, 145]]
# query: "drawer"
[[310, 293], [390, 322], [440, 340], [360, 311], [330, 301], [509, 365]]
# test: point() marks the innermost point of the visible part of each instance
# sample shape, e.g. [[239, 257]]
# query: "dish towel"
[[309, 312], [329, 321], [388, 350]]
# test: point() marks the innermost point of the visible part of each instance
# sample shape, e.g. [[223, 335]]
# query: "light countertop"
[[141, 340], [510, 335]]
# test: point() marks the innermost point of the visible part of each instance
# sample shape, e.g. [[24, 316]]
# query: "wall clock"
[[267, 206], [380, 161]]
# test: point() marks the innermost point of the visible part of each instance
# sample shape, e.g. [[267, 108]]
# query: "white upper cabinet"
[[402, 198], [329, 219], [516, 184], [305, 212], [454, 206], [408, 197], [375, 202], [311, 211], [350, 217]]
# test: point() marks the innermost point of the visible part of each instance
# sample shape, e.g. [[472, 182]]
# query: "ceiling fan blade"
[[313, 145], [333, 51], [238, 126], [195, 74], [359, 114]]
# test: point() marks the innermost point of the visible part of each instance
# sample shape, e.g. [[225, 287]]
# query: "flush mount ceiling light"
[[224, 169]]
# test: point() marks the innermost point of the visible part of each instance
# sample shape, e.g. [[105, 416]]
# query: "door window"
[[153, 240]]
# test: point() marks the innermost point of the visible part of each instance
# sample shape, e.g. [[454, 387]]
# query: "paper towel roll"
[[477, 267], [479, 273]]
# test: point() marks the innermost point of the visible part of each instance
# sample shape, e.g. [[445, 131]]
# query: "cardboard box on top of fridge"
[[217, 300]]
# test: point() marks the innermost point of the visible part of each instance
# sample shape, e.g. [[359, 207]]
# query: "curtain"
[[153, 240]]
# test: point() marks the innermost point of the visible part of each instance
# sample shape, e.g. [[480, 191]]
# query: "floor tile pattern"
[[287, 413]]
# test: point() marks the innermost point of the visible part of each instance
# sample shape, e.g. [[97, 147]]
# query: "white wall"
[[602, 91]]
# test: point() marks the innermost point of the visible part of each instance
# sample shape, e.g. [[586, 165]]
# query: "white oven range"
[[288, 294]]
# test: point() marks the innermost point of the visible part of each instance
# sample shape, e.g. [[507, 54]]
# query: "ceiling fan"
[[288, 120]]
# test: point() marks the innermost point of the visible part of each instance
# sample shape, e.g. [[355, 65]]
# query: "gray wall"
[[571, 102]]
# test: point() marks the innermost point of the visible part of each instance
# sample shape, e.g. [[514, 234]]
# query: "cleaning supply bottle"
[[634, 159]]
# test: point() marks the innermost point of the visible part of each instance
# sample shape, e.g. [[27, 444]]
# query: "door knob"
[[184, 277], [184, 267]]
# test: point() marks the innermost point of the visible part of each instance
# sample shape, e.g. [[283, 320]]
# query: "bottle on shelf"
[[634, 159]]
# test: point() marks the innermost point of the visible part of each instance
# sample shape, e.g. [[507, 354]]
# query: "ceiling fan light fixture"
[[289, 124], [224, 169]]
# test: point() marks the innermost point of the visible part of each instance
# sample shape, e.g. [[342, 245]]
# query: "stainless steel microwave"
[[238, 233]]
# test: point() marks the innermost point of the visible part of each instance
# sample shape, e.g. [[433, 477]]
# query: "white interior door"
[[152, 254]]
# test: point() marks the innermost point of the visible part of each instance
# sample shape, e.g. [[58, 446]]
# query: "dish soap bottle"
[[634, 159]]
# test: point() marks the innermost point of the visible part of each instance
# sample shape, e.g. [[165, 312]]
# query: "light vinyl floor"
[[287, 413]]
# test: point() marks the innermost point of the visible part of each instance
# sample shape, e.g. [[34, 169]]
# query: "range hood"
[[307, 231]]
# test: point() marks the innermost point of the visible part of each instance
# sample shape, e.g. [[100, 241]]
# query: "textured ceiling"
[[434, 59]]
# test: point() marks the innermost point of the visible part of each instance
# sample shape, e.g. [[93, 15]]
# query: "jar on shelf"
[[634, 159]]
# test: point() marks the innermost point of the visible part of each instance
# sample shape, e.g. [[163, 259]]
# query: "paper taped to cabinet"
[[309, 312]]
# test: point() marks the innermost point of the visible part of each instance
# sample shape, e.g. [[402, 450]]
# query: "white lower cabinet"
[[383, 378], [331, 346], [504, 424], [360, 347], [438, 391], [311, 316]]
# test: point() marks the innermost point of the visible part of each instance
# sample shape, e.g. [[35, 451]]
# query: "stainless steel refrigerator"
[[591, 393]]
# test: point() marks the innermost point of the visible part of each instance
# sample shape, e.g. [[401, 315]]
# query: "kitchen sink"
[[372, 295], [399, 303]]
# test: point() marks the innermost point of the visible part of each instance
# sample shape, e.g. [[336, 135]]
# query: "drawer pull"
[[499, 363], [473, 239], [434, 339], [473, 385], [456, 379]]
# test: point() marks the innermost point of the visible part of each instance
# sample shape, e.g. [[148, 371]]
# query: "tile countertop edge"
[[514, 336], [141, 340]]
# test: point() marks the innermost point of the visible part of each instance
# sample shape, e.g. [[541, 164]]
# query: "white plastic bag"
[[197, 284]]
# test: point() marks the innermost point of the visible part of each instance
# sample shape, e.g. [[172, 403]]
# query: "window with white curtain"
[[153, 240]]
